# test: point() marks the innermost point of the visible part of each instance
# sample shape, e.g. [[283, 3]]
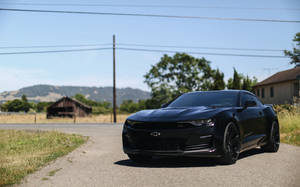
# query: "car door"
[[249, 120], [262, 122]]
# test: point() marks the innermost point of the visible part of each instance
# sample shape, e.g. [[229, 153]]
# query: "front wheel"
[[139, 158], [231, 144], [274, 139]]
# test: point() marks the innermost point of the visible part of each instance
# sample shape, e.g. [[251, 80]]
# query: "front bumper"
[[195, 153], [195, 142]]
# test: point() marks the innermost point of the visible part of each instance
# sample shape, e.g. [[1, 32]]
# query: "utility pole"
[[114, 80]]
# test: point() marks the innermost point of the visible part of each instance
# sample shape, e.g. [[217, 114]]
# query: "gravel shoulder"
[[101, 162]]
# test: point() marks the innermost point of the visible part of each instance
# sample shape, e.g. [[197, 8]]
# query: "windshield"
[[210, 99]]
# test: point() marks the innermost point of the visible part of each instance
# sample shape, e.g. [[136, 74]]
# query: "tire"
[[231, 145], [139, 158], [274, 139]]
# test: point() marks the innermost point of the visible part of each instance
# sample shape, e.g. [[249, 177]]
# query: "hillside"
[[39, 93]]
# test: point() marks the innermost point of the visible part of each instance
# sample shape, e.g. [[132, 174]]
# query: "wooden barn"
[[68, 107]]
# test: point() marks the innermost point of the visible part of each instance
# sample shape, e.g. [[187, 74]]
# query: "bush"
[[42, 106], [289, 121], [16, 105], [128, 106], [286, 108], [100, 110]]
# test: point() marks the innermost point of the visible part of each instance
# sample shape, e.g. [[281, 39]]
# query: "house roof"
[[281, 76], [72, 99]]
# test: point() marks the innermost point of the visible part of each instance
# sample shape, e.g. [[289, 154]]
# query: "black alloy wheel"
[[231, 144], [274, 139]]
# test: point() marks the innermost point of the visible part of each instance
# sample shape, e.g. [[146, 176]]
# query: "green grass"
[[290, 127], [23, 152]]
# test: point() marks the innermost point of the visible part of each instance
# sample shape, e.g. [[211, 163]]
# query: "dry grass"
[[290, 127], [23, 152], [41, 118]]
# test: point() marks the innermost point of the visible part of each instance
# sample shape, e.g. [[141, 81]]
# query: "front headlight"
[[132, 123], [201, 122]]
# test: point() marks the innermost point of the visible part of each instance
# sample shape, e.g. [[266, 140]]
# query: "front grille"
[[159, 126], [159, 145]]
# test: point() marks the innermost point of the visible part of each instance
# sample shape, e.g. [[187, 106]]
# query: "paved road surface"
[[101, 162]]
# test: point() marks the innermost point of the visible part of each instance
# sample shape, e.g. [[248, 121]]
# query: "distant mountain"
[[39, 93]]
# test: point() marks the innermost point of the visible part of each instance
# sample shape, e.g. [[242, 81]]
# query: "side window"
[[258, 102], [247, 97], [296, 89], [271, 91]]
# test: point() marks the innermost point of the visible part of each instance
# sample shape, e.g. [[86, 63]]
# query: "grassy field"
[[290, 127], [23, 152], [41, 118]]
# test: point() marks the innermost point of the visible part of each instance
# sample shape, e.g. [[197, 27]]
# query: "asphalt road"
[[101, 162]]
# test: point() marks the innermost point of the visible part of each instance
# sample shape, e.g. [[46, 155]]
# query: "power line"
[[202, 47], [148, 6], [151, 15], [200, 53], [53, 51], [140, 45], [144, 50], [53, 46]]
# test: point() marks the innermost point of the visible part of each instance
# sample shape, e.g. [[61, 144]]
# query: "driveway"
[[101, 162]]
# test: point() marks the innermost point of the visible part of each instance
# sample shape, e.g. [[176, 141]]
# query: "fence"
[[15, 117]]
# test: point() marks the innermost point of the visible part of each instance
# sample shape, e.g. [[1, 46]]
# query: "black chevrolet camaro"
[[219, 124]]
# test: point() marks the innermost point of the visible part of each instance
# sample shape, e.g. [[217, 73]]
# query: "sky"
[[94, 68]]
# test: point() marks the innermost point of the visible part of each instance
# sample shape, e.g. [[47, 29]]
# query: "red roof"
[[281, 76]]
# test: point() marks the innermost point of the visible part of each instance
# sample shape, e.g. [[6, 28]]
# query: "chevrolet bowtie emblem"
[[155, 133]]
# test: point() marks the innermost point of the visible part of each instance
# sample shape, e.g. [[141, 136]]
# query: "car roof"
[[227, 91]]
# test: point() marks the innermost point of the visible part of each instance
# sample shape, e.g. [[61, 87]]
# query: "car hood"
[[175, 114]]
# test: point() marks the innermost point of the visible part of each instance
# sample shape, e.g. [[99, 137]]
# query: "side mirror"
[[249, 104], [164, 105]]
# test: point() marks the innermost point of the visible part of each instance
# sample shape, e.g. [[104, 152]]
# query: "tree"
[[248, 83], [16, 105], [98, 107], [218, 81], [236, 82], [80, 97], [239, 81], [175, 75], [42, 106], [230, 83], [24, 98], [295, 53], [26, 105], [129, 106], [159, 96]]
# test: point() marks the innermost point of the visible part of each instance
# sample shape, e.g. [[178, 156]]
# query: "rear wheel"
[[231, 144], [139, 158], [274, 139]]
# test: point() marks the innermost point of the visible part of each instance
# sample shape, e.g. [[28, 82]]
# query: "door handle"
[[260, 113]]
